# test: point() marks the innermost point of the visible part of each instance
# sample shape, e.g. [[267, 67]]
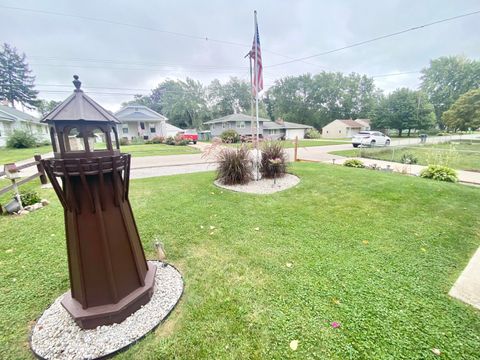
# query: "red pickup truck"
[[190, 135]]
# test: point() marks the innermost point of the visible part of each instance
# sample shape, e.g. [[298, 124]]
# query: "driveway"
[[152, 166]]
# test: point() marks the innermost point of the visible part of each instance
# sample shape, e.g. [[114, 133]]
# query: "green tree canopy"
[[446, 79], [45, 106], [16, 79], [316, 100], [404, 109], [464, 113], [184, 103]]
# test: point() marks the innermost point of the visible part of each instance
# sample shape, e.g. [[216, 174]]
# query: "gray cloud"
[[293, 28]]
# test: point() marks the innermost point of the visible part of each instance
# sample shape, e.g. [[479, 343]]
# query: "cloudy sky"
[[124, 47]]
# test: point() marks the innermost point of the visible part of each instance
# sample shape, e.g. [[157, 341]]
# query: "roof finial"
[[77, 83]]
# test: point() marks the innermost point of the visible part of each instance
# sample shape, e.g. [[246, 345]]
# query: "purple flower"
[[335, 324]]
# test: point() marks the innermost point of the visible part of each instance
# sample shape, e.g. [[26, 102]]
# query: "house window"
[[142, 125], [224, 125], [339, 131], [125, 129], [152, 128], [241, 124]]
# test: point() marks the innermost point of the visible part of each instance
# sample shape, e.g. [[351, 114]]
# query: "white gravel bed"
[[264, 186], [57, 336]]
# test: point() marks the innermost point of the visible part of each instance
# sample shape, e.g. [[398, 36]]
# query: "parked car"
[[190, 135], [370, 138]]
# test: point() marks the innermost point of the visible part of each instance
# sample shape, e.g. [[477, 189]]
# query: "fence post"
[[295, 150], [41, 170]]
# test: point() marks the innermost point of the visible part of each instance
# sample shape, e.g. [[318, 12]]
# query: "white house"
[[345, 128], [12, 119], [268, 129], [139, 122]]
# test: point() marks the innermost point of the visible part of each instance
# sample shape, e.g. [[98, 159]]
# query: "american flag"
[[257, 61]]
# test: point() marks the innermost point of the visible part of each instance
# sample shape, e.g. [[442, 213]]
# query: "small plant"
[[312, 134], [170, 140], [230, 137], [157, 140], [439, 173], [408, 158], [124, 142], [234, 166], [21, 140], [274, 160], [179, 140], [29, 198], [355, 163]]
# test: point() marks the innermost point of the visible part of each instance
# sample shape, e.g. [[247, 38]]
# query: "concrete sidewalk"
[[467, 286]]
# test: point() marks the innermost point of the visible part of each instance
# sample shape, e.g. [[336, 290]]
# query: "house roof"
[[267, 124], [12, 114], [138, 113], [291, 125], [366, 121], [171, 127], [79, 106], [233, 117], [351, 123]]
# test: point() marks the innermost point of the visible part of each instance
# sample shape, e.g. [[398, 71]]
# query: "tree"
[[45, 106], [446, 79], [464, 113], [404, 109], [16, 80], [317, 100], [232, 97]]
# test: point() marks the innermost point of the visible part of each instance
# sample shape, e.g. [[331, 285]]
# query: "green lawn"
[[462, 155], [13, 155], [157, 149], [288, 144], [376, 252]]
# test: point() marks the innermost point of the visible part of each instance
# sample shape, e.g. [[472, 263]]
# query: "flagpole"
[[251, 96], [256, 90]]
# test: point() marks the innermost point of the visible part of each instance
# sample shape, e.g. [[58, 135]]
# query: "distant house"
[[345, 128], [139, 122], [242, 124], [12, 119]]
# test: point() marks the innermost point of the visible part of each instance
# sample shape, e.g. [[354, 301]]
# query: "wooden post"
[[295, 152], [41, 169]]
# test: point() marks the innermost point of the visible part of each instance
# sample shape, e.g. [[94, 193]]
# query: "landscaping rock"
[[264, 186], [45, 202], [57, 336]]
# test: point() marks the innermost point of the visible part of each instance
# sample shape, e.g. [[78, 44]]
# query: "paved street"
[[151, 166]]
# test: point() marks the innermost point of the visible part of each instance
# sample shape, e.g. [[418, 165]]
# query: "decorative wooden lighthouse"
[[109, 275]]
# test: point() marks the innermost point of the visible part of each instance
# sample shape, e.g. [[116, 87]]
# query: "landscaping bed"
[[461, 155], [350, 263]]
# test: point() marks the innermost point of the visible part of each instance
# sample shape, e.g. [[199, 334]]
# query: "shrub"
[[124, 142], [312, 134], [230, 136], [179, 140], [21, 140], [234, 166], [29, 198], [440, 173], [157, 140], [170, 140], [408, 158], [274, 160], [354, 163]]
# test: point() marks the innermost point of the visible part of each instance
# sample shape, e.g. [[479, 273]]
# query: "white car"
[[370, 138]]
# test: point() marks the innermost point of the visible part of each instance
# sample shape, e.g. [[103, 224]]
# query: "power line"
[[137, 68], [147, 28], [376, 38], [396, 74]]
